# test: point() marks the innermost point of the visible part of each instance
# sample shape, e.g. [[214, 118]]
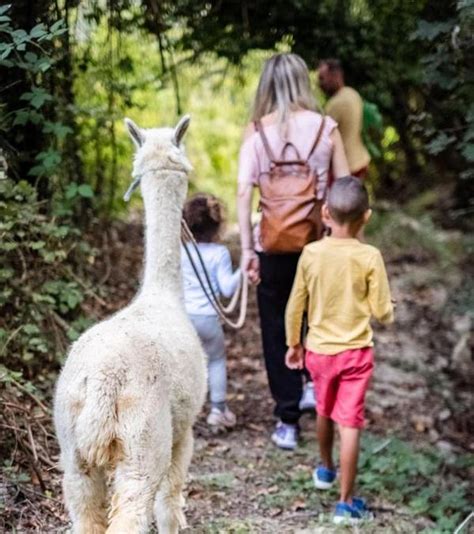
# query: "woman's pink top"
[[302, 130]]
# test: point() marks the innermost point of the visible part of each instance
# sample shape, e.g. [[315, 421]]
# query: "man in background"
[[345, 106]]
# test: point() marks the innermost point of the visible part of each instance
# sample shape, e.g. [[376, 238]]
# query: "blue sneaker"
[[360, 504], [285, 436], [323, 477], [347, 514]]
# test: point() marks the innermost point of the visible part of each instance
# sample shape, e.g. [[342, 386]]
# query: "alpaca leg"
[[147, 456], [169, 500], [85, 493], [132, 502]]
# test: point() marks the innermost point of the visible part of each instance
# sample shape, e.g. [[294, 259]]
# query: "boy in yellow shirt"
[[340, 283]]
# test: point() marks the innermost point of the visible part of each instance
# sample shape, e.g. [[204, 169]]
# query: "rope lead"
[[241, 292]]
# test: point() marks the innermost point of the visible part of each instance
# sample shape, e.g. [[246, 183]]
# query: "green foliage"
[[412, 235], [419, 478], [419, 481], [231, 526], [217, 96], [379, 60], [372, 131], [220, 481], [447, 65], [39, 296], [30, 54]]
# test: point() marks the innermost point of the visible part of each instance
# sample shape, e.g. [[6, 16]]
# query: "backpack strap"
[[317, 138], [266, 144]]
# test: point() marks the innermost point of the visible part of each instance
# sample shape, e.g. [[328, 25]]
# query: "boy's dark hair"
[[347, 200], [204, 214]]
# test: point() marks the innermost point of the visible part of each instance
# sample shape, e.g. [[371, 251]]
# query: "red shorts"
[[340, 383]]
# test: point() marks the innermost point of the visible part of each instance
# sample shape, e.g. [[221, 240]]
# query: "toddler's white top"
[[219, 267]]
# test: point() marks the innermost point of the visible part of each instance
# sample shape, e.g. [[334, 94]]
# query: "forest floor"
[[416, 466]]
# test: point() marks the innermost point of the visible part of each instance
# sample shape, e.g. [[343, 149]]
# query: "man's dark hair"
[[348, 200], [333, 65]]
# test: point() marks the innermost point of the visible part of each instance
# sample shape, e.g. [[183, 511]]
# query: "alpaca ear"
[[180, 129], [136, 133]]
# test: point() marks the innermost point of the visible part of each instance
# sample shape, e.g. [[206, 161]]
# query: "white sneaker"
[[308, 399], [218, 418], [285, 436]]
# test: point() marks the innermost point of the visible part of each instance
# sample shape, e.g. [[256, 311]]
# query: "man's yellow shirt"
[[346, 108]]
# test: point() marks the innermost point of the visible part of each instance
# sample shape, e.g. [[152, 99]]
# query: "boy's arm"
[[296, 306], [379, 291]]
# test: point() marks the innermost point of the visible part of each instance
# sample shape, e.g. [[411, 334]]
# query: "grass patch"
[[230, 526], [219, 481], [399, 235], [419, 481]]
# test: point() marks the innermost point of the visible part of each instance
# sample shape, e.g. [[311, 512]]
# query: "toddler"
[[204, 215], [341, 283]]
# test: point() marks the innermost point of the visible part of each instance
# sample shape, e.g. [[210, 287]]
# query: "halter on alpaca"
[[240, 293]]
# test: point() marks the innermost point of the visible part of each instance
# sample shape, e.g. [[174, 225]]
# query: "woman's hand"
[[250, 265], [294, 358]]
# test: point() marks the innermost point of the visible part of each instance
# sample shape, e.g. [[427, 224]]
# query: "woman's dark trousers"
[[277, 272]]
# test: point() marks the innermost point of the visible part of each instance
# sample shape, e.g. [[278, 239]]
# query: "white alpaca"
[[133, 385]]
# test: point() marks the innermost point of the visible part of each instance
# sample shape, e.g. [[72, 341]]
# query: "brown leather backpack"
[[291, 211]]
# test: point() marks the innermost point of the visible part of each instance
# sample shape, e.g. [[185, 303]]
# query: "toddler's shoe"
[[308, 400], [218, 418], [285, 436], [351, 514], [323, 477]]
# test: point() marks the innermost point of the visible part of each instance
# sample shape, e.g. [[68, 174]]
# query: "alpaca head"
[[157, 149]]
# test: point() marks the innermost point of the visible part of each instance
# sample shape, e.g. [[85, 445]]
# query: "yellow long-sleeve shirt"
[[341, 283]]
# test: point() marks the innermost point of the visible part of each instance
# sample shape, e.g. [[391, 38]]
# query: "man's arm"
[[339, 164]]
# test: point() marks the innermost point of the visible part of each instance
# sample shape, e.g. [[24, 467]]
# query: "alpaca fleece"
[[132, 385]]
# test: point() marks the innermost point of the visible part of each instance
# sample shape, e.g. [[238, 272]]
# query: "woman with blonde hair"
[[292, 186]]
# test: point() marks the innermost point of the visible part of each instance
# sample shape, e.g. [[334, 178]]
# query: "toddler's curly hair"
[[204, 214]]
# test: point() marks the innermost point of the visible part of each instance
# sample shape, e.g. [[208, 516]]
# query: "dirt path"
[[240, 483]]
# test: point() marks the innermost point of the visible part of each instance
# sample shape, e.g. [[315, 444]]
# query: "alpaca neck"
[[163, 198]]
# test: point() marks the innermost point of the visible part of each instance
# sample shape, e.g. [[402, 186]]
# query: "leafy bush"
[[40, 296], [446, 72], [420, 481], [396, 470], [29, 55]]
